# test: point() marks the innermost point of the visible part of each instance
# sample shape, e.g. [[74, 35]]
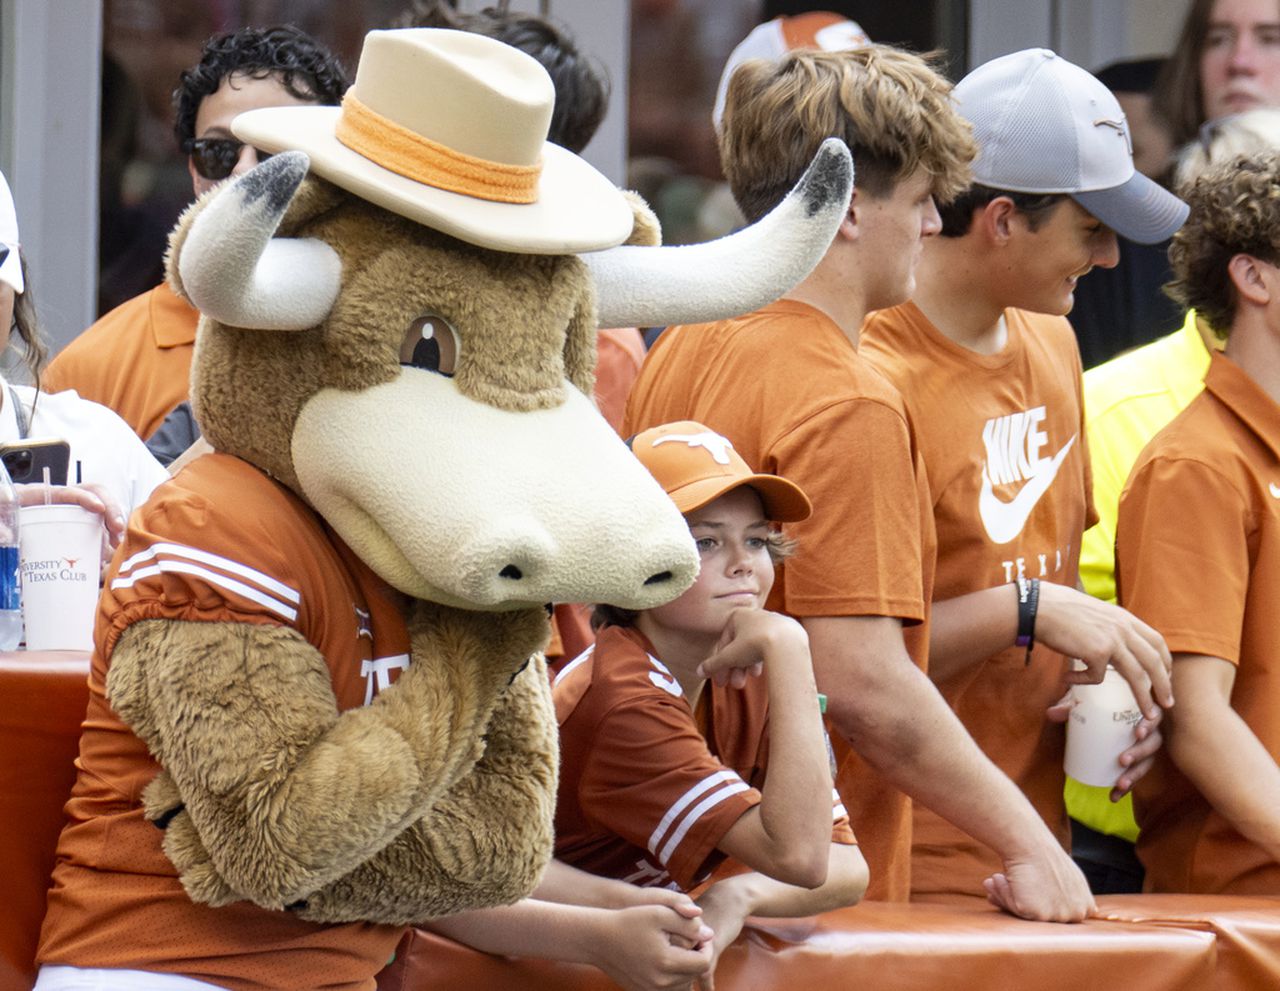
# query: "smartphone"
[[26, 460]]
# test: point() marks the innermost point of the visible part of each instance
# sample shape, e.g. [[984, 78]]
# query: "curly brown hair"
[[1235, 210], [304, 67], [891, 107]]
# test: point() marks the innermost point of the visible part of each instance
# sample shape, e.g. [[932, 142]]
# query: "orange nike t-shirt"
[[1004, 447], [1198, 557], [649, 786], [135, 360], [219, 542], [792, 394]]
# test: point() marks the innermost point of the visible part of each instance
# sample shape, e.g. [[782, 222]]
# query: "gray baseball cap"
[[1044, 125]]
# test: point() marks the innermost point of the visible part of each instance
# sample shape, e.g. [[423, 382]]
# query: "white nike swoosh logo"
[[1275, 490], [1004, 520]]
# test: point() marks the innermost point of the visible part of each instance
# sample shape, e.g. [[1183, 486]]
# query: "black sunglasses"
[[215, 158]]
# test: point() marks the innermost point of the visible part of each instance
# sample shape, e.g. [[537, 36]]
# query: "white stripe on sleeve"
[[576, 662], [213, 578], [696, 813], [683, 801], [225, 564]]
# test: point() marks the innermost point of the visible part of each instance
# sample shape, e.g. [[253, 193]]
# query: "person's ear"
[[848, 228], [996, 219], [198, 182], [1254, 280]]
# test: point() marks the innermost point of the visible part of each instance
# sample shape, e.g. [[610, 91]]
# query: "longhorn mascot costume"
[[318, 708]]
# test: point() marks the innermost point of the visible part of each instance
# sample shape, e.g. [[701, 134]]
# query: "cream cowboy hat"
[[449, 129]]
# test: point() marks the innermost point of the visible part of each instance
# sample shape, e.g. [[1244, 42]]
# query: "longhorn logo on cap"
[[1119, 125], [718, 447]]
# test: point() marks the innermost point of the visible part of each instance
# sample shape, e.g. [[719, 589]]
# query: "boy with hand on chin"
[[665, 739]]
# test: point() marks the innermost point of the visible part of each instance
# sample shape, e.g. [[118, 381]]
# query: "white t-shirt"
[[108, 451]]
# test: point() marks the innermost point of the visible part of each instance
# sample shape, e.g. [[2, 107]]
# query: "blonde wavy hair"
[[891, 107], [1235, 210]]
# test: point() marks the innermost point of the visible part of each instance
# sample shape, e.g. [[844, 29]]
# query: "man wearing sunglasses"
[[137, 358]]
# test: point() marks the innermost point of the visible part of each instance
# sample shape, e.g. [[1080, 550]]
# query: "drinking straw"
[[48, 495]]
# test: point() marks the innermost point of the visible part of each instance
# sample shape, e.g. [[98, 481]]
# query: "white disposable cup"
[[1100, 729], [61, 551]]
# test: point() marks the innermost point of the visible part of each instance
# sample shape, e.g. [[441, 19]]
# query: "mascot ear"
[[314, 198], [696, 283], [225, 259], [646, 231]]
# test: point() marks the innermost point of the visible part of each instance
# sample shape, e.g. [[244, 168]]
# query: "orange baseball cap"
[[695, 465]]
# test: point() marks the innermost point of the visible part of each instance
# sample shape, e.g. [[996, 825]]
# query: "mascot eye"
[[431, 343]]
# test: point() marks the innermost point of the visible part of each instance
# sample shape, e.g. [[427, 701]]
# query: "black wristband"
[[1028, 603]]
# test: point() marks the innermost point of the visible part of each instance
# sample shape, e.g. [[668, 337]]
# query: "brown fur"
[[445, 862], [437, 797], [526, 323], [262, 817], [647, 232]]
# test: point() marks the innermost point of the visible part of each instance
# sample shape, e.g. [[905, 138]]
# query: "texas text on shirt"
[[648, 787], [1008, 469]]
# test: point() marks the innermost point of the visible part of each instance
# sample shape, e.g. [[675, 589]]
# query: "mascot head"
[[399, 317]]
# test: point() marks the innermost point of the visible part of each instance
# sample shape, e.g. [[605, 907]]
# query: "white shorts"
[[58, 977]]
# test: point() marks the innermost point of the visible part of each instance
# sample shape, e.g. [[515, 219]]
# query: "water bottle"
[[10, 581]]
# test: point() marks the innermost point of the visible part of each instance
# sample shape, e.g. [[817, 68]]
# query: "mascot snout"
[[521, 508]]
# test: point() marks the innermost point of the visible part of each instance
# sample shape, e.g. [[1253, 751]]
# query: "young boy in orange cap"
[[665, 736]]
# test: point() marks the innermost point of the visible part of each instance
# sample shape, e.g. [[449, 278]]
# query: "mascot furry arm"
[[438, 796]]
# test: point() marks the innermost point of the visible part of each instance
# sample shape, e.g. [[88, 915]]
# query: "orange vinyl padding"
[[1152, 942], [1246, 930], [42, 703], [876, 946]]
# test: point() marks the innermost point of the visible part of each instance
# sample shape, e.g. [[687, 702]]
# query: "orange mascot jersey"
[[794, 397], [135, 360], [1008, 467], [648, 787], [1198, 557], [220, 542]]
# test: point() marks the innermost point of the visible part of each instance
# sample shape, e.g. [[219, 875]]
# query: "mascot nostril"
[[331, 703]]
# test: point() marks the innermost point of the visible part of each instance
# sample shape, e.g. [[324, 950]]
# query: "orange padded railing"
[[1148, 942]]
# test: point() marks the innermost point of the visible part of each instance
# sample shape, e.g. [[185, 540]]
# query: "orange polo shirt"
[[1004, 446], [135, 360], [1198, 557], [796, 399]]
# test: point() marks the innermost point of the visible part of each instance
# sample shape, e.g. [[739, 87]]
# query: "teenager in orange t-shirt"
[[788, 385], [1198, 554], [990, 372]]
